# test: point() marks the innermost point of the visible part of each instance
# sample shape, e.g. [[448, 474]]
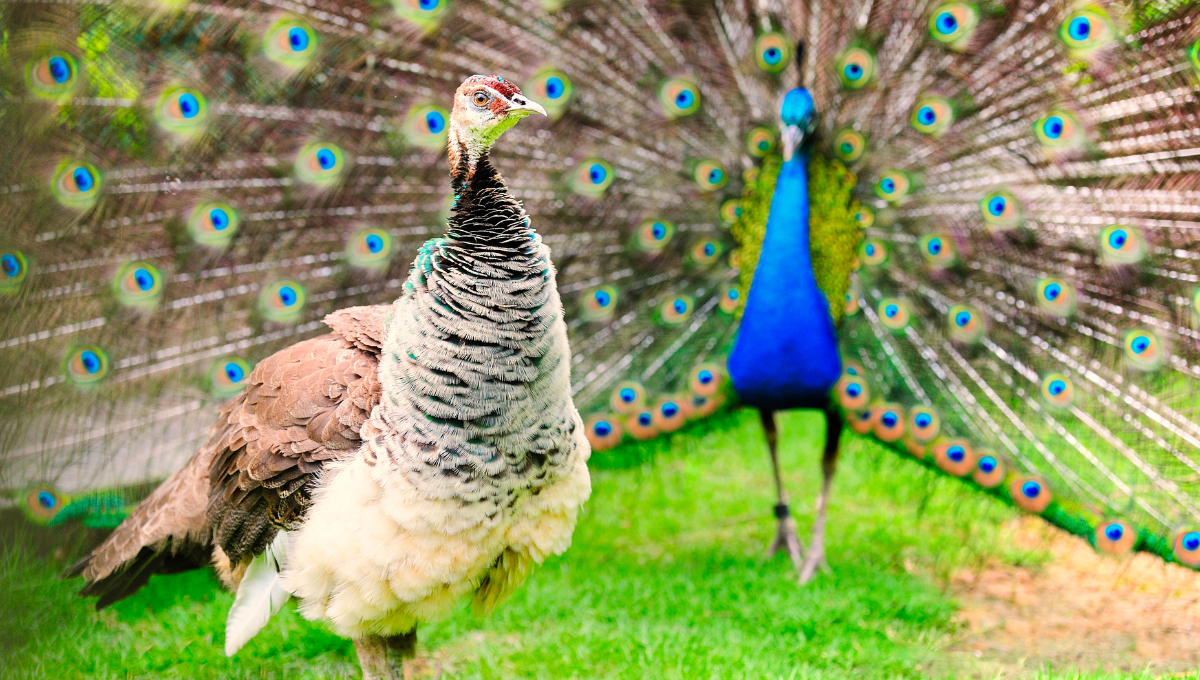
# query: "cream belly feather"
[[375, 557]]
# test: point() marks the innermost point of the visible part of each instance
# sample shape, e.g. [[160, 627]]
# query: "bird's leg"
[[816, 553], [382, 658], [785, 533]]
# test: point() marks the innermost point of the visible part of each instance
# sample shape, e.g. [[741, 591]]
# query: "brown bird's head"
[[484, 107]]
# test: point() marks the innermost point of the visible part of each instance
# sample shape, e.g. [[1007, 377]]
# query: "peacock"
[[418, 454], [786, 351], [1000, 203]]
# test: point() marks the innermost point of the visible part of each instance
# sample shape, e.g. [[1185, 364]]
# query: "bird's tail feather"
[[260, 595]]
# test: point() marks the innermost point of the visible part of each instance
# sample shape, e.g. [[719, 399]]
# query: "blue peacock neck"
[[786, 354]]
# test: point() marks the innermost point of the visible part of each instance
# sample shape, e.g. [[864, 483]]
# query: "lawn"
[[666, 579]]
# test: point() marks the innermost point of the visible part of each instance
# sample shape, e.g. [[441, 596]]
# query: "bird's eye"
[[481, 98]]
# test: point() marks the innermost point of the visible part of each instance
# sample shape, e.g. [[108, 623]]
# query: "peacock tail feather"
[[189, 187]]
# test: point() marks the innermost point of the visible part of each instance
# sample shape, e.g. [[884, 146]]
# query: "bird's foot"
[[786, 537], [382, 658], [815, 560]]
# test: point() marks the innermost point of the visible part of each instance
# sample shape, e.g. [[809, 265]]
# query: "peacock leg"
[[816, 555], [382, 658], [785, 534]]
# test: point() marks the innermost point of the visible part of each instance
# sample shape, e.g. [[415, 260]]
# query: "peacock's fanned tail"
[[188, 187], [1026, 314]]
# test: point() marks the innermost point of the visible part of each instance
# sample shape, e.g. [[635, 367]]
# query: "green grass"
[[666, 579]]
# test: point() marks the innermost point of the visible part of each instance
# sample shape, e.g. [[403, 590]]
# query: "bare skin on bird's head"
[[484, 107]]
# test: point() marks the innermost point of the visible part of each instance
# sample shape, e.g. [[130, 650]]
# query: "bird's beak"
[[792, 137], [525, 107]]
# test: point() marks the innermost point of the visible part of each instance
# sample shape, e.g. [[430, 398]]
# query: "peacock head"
[[484, 107], [799, 118]]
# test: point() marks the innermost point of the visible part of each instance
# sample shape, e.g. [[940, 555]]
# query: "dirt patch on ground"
[[1081, 610]]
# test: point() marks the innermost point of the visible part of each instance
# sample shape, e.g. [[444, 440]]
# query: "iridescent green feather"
[[833, 234]]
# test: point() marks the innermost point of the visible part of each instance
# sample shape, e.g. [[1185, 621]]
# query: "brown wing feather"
[[303, 406], [362, 326]]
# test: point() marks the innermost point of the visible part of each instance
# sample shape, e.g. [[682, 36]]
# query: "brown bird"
[[422, 452]]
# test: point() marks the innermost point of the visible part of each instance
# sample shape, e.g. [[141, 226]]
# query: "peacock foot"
[[382, 658], [786, 537], [814, 561]]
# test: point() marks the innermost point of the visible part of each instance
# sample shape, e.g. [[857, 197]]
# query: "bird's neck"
[[484, 213]]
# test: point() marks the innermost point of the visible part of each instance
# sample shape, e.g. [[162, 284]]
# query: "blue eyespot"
[[715, 175], [189, 106], [435, 121], [685, 99], [987, 464], [962, 318], [923, 420], [734, 294], [946, 23], [602, 429], [853, 389], [555, 87], [890, 311], [1080, 28], [287, 295], [669, 409], [853, 72], [1192, 541], [8, 262], [91, 362], [956, 453], [1057, 387], [1031, 489], [1053, 290], [298, 39], [143, 279], [870, 249], [627, 395], [1053, 127], [997, 205], [772, 55], [374, 243], [926, 115], [680, 306], [603, 298], [710, 249], [888, 185], [705, 377], [326, 159], [430, 5], [1114, 532], [60, 70], [47, 500], [597, 174], [644, 419], [659, 230], [219, 219], [1140, 344], [889, 419], [83, 179], [1117, 238], [935, 246], [234, 372]]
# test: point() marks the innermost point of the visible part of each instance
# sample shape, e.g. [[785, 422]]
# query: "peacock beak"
[[792, 138], [525, 106]]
